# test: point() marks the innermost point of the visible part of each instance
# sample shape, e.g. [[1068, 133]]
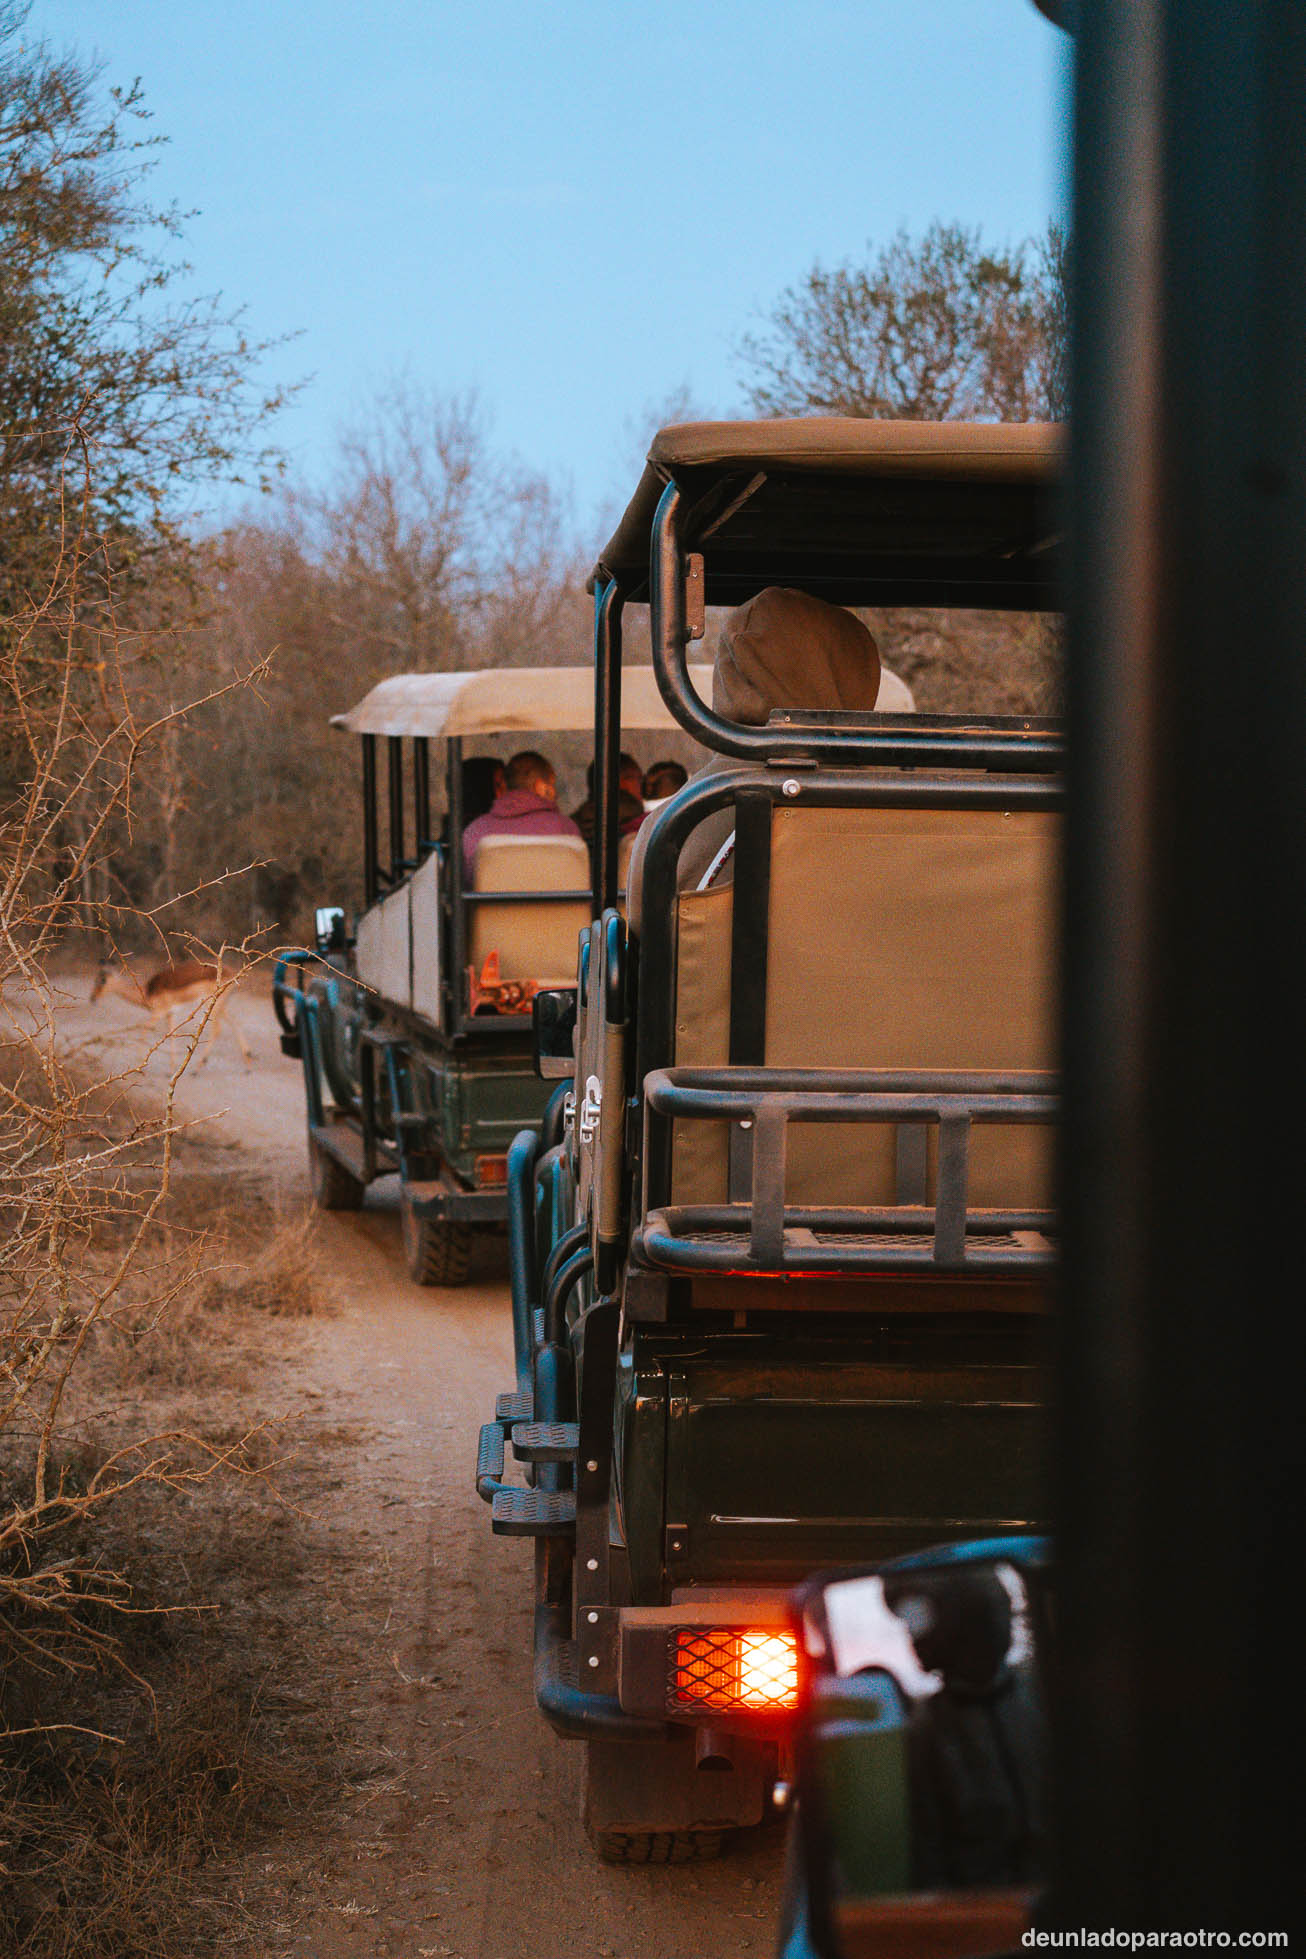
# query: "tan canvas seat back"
[[536, 942], [907, 938]]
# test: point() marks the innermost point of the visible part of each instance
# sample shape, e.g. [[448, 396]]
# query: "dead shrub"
[[100, 1846], [283, 1280]]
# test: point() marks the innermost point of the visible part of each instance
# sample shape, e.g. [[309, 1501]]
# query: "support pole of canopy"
[[395, 752], [607, 743], [370, 875], [422, 796], [455, 936]]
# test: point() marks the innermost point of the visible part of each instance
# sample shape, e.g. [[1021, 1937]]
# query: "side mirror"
[[329, 933], [553, 1023], [921, 1754]]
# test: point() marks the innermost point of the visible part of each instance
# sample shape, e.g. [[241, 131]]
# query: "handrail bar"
[[769, 1099]]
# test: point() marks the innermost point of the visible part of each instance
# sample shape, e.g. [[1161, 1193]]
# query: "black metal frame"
[[697, 1237], [608, 605], [890, 741], [755, 798]]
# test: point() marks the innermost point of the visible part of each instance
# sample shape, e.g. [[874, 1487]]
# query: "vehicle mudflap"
[[640, 1786]]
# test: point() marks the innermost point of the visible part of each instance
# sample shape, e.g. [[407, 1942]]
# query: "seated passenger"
[[528, 807], [661, 783], [482, 780], [630, 807]]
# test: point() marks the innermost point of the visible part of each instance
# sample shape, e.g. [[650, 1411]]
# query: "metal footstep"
[[517, 1407], [545, 1441], [533, 1513], [489, 1460]]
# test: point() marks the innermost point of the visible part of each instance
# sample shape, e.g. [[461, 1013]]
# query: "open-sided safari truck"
[[780, 1287], [414, 1030]]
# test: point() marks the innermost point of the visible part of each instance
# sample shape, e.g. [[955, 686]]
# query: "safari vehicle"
[[414, 1029], [780, 1286]]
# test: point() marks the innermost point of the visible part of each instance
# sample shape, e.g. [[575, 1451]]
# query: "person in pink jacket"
[[527, 807]]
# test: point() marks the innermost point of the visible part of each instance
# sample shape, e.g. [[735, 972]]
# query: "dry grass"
[[206, 1338], [173, 1741], [104, 1850], [282, 1280]]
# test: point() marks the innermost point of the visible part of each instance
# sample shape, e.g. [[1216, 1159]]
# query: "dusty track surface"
[[463, 1838]]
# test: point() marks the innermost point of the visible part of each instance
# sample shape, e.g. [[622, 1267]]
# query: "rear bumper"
[[435, 1198], [681, 1662]]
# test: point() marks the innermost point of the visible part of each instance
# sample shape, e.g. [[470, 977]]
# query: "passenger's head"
[[483, 780], [530, 771], [663, 780], [784, 649], [959, 1621], [629, 775]]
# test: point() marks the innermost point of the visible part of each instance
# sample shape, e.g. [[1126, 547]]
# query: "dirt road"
[[464, 1840]]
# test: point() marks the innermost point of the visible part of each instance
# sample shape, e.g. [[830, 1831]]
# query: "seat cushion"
[[534, 941]]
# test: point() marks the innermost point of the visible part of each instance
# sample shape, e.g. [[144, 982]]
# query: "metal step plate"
[[533, 1513], [545, 1441]]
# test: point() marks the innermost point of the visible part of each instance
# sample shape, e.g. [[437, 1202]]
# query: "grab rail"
[[951, 1233]]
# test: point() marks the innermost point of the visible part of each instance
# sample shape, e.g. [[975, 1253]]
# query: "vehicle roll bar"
[[895, 742]]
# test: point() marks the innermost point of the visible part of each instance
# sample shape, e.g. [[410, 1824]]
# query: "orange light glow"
[[722, 1667], [768, 1670], [490, 1172]]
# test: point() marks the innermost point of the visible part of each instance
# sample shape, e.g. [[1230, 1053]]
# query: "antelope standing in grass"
[[174, 993]]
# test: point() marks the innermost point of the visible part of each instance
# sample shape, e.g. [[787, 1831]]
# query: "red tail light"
[[736, 1668]]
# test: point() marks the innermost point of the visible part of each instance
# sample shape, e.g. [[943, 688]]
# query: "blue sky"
[[576, 208]]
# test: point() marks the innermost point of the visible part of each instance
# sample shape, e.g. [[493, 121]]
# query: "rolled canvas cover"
[[381, 954], [902, 938], [424, 918], [539, 941]]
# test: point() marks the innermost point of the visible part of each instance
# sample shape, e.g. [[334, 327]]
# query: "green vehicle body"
[[838, 1446]]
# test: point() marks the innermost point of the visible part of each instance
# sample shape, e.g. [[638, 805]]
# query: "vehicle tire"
[[438, 1250], [334, 1189], [658, 1846]]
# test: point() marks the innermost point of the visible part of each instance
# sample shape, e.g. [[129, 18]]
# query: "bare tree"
[[935, 328], [423, 526]]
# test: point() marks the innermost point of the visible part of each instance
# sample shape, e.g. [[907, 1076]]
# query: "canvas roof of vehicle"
[[857, 511], [504, 700]]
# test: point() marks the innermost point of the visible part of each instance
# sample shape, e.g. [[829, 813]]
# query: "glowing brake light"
[[726, 1667]]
